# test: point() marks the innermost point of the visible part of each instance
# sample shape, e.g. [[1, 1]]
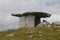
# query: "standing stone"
[[31, 19], [22, 21]]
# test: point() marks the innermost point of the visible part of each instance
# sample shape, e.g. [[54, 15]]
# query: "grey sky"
[[7, 7]]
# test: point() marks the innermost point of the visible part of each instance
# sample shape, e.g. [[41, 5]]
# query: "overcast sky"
[[7, 7]]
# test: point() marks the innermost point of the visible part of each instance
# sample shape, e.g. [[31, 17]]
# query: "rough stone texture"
[[10, 35], [22, 21], [27, 21], [30, 20]]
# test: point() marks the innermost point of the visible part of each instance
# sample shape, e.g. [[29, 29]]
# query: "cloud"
[[30, 5]]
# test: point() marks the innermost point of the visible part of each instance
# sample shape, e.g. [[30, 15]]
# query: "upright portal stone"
[[31, 19], [22, 21], [27, 21]]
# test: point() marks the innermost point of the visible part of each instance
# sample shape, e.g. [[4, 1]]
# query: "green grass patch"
[[32, 33]]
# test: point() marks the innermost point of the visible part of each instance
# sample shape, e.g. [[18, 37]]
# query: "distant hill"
[[56, 23]]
